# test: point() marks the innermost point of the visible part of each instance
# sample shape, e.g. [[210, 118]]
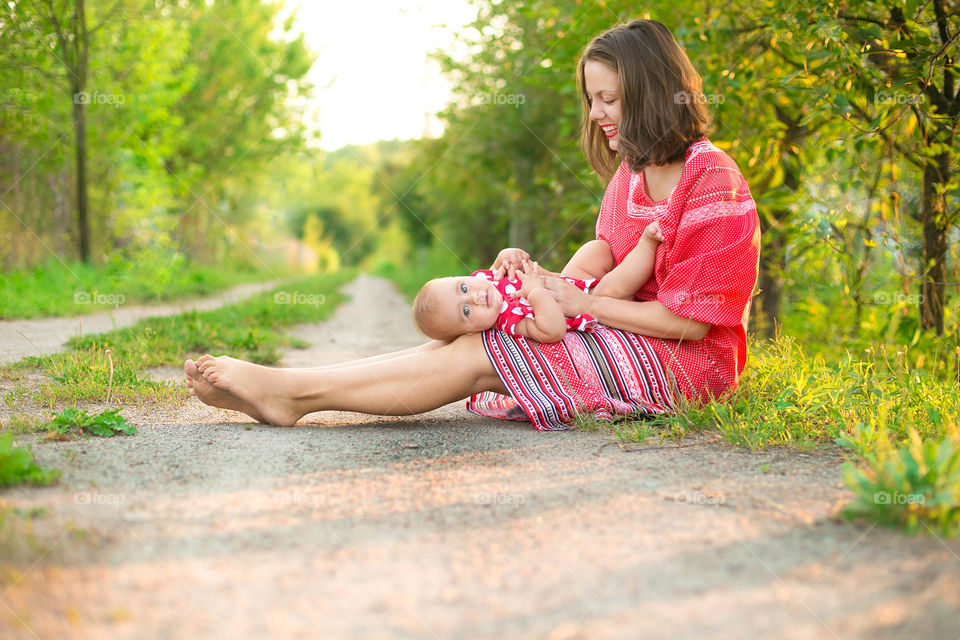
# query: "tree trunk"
[[521, 224], [770, 283], [78, 82], [934, 258]]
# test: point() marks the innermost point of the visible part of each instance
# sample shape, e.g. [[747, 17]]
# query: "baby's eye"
[[463, 287], [466, 311]]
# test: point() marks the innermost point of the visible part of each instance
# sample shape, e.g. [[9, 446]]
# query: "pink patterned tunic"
[[705, 269]]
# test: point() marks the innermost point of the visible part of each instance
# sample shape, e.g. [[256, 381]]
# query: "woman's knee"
[[471, 355]]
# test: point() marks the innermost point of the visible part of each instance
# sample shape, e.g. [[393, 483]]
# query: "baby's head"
[[449, 307]]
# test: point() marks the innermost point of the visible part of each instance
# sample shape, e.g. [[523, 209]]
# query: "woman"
[[685, 331]]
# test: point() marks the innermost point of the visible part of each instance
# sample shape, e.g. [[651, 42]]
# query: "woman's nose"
[[596, 113]]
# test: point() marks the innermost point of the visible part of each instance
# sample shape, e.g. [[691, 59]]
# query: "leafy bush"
[[913, 486], [18, 467]]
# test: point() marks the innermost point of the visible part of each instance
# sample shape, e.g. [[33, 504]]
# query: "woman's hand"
[[572, 299], [508, 262]]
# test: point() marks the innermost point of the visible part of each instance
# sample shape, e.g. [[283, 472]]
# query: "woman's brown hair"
[[663, 109]]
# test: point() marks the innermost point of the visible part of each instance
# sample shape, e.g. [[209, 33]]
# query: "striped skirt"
[[606, 373]]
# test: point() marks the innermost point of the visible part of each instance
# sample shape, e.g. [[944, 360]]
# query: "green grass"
[[252, 330], [67, 289], [787, 397], [915, 486], [18, 467]]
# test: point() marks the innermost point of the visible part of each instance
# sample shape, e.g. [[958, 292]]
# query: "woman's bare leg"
[[428, 346], [410, 383]]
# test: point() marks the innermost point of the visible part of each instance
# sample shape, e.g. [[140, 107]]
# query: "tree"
[[889, 69]]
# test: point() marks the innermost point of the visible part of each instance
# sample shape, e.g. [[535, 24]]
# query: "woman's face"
[[603, 91]]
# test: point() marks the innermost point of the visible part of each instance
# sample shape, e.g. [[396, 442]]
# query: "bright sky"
[[372, 77]]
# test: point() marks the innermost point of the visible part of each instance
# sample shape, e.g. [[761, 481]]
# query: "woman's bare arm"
[[592, 260], [649, 318]]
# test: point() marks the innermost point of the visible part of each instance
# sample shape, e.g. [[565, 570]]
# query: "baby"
[[449, 307]]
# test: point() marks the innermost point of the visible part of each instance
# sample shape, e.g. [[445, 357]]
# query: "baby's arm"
[[548, 323], [631, 274], [593, 260]]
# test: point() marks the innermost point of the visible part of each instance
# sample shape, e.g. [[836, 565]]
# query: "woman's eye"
[[463, 287], [609, 101], [466, 311]]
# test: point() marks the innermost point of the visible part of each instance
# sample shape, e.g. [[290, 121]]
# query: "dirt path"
[[449, 525], [42, 336]]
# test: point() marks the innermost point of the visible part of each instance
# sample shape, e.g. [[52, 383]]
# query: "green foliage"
[[915, 486], [57, 288], [72, 421], [18, 467], [186, 102]]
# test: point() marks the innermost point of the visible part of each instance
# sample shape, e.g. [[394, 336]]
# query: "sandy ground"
[[449, 525]]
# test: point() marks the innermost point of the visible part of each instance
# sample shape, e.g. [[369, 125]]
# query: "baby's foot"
[[211, 395], [262, 389]]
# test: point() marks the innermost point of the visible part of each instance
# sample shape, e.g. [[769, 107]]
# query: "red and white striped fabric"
[[607, 373], [705, 269]]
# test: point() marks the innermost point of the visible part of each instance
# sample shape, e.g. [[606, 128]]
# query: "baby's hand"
[[531, 281], [652, 233], [508, 262]]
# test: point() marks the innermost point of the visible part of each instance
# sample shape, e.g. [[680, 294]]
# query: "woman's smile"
[[603, 94]]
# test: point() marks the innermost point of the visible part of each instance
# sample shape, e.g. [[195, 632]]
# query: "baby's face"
[[466, 304]]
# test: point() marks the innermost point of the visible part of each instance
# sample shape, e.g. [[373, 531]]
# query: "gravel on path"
[[450, 525]]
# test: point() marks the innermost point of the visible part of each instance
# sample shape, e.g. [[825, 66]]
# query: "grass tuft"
[[18, 467], [73, 422]]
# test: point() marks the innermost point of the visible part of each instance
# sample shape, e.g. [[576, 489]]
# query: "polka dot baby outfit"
[[514, 310]]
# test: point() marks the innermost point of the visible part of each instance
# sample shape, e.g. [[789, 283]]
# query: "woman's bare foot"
[[263, 389], [211, 395]]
